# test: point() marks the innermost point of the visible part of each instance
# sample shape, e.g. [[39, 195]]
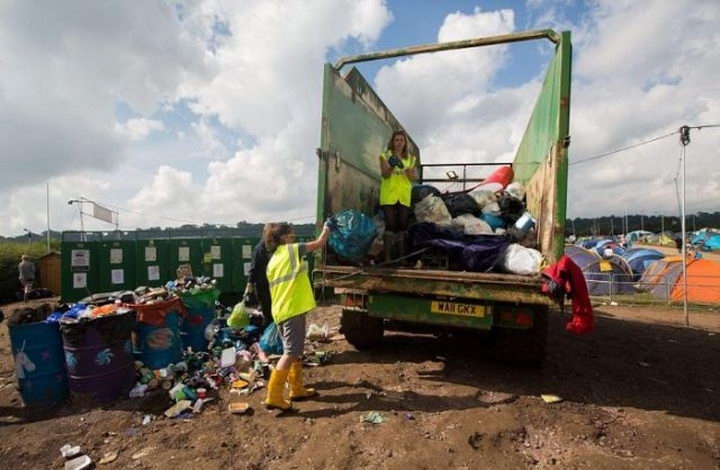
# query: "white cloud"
[[138, 129]]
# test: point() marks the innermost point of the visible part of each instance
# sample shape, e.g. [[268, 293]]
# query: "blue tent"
[[712, 243], [639, 260], [603, 275]]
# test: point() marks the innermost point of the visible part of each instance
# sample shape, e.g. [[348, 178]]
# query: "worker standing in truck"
[[398, 170]]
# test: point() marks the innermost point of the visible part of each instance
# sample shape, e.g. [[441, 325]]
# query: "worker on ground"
[[292, 298], [257, 290]]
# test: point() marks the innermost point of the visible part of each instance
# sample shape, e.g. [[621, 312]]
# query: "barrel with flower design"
[[99, 355]]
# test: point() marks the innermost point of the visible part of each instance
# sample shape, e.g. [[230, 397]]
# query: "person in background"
[[292, 298], [26, 268], [398, 170], [257, 290]]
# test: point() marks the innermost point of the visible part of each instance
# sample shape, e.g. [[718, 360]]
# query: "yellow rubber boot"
[[276, 387], [295, 379]]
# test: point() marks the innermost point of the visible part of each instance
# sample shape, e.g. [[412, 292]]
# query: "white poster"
[[215, 251], [246, 268], [117, 276], [116, 255], [247, 251], [150, 254], [184, 253], [80, 258], [153, 273], [218, 269], [79, 280]]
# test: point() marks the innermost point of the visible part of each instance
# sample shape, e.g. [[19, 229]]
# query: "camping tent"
[[603, 275], [637, 235], [663, 279], [640, 259]]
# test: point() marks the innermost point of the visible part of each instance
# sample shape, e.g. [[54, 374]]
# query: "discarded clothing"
[[565, 278]]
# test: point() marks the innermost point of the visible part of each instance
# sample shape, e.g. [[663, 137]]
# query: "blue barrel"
[[157, 340], [200, 306], [39, 363], [99, 356]]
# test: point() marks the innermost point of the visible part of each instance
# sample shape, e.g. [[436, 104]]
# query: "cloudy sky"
[[208, 111]]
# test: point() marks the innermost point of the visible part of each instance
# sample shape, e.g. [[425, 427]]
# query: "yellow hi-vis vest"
[[398, 187], [290, 289]]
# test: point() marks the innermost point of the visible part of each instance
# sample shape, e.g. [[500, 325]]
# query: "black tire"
[[522, 348], [360, 329]]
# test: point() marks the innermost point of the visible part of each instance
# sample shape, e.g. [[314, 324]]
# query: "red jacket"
[[565, 278]]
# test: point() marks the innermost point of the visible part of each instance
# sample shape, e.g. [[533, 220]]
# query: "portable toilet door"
[[116, 265], [79, 270], [151, 263], [182, 252], [217, 262], [242, 258]]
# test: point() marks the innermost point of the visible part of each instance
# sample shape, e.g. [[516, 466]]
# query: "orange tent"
[[664, 279]]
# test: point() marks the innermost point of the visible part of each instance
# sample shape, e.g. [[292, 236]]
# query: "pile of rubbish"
[[147, 339], [485, 229]]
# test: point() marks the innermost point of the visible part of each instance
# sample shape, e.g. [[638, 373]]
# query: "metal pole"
[[47, 211], [684, 140]]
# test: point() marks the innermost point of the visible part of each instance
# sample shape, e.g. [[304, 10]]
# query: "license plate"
[[455, 308]]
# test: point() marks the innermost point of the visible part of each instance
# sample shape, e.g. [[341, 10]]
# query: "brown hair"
[[392, 137], [273, 234]]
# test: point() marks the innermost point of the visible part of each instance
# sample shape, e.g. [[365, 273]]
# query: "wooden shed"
[[49, 272]]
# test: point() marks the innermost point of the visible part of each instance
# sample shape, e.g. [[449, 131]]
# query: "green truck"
[[508, 308]]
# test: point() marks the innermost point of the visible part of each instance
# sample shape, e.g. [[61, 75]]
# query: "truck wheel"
[[524, 348], [360, 329]]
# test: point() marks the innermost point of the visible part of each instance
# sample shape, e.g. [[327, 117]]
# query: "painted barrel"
[[157, 340], [99, 356], [39, 363], [200, 306]]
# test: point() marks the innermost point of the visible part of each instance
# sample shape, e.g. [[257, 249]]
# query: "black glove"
[[250, 299], [395, 161], [331, 223]]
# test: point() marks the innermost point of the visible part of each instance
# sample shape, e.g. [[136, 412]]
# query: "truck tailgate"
[[497, 287]]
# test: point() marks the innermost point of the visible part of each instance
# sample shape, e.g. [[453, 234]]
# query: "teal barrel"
[[99, 355], [39, 363], [200, 306], [157, 340]]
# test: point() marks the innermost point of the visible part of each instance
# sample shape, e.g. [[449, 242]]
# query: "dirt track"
[[642, 391]]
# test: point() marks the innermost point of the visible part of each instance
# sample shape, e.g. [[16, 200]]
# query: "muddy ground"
[[642, 392]]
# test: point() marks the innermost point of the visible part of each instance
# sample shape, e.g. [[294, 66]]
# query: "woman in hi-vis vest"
[[398, 169], [292, 297]]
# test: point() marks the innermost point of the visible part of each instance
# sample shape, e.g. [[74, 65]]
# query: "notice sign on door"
[[79, 280], [184, 253], [153, 273], [215, 251], [116, 255], [117, 276], [80, 258], [247, 251], [150, 254], [218, 270]]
